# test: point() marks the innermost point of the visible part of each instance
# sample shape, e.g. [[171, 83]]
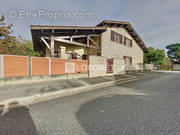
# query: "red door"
[[109, 65]]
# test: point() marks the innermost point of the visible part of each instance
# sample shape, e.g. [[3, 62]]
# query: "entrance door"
[[109, 65]]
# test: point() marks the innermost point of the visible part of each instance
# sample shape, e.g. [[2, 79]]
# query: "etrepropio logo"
[[50, 15]]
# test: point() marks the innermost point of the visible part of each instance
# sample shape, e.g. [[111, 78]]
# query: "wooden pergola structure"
[[45, 36]]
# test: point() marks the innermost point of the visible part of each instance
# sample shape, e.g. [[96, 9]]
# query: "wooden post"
[[71, 39], [88, 37], [52, 46]]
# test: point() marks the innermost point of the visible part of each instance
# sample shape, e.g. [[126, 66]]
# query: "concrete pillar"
[[1, 66], [49, 66], [29, 66], [62, 52]]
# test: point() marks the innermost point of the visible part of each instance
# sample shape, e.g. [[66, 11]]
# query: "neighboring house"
[[110, 39]]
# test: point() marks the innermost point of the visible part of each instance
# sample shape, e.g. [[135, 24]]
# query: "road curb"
[[24, 101], [163, 71]]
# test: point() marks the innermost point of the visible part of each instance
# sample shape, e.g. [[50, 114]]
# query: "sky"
[[156, 21]]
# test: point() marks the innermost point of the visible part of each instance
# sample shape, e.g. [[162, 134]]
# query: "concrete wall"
[[118, 66], [26, 66], [81, 66], [134, 66], [97, 66], [112, 49], [149, 67], [176, 67]]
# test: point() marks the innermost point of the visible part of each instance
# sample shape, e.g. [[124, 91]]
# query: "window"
[[112, 35], [128, 60], [74, 56], [121, 39], [84, 57], [127, 42], [115, 37]]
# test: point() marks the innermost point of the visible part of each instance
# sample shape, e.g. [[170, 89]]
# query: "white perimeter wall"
[[98, 66], [118, 66]]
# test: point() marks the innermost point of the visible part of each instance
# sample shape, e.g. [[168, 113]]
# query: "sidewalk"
[[16, 91]]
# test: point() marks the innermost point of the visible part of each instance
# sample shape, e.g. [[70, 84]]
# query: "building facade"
[[110, 39]]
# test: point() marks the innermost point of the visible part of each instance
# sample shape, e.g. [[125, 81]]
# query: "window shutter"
[[121, 39], [112, 35], [131, 60], [130, 43], [124, 40], [124, 57]]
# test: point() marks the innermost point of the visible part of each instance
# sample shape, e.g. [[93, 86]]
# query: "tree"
[[174, 52], [155, 56], [12, 45], [8, 44], [29, 51]]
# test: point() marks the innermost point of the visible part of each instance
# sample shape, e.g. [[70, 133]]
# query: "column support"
[[50, 66], [1, 66], [29, 66], [52, 46]]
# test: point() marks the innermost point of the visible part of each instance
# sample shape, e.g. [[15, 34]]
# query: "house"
[[110, 39]]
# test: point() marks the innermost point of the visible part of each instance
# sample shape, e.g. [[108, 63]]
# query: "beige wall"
[[118, 66], [97, 66], [101, 63], [111, 49], [149, 66]]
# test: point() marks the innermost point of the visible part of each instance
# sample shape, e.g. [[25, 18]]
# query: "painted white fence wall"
[[149, 67], [97, 66], [118, 66]]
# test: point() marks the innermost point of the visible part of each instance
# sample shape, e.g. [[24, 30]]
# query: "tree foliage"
[[155, 56], [29, 51], [174, 52], [12, 45]]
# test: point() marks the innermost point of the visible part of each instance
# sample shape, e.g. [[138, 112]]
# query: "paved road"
[[144, 107]]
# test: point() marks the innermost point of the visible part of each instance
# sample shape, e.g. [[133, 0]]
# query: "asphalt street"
[[145, 107]]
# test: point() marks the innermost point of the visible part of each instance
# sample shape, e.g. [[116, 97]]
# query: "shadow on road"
[[17, 121], [106, 115]]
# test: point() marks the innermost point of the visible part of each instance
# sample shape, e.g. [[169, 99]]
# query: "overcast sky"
[[156, 21]]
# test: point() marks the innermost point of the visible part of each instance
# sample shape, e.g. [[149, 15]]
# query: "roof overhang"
[[54, 27], [128, 27]]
